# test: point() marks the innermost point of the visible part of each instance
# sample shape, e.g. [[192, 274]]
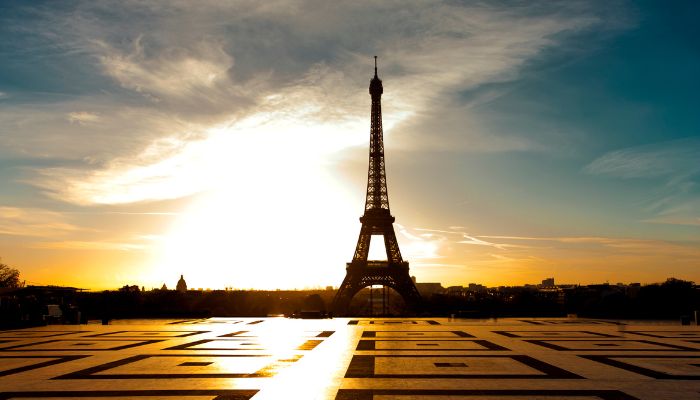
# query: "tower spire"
[[377, 196]]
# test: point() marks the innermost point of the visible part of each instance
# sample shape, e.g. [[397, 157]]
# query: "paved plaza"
[[345, 358]]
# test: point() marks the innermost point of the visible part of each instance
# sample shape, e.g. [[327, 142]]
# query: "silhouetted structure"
[[377, 220], [38, 305], [181, 285]]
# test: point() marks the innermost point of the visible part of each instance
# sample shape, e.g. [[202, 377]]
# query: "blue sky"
[[142, 140]]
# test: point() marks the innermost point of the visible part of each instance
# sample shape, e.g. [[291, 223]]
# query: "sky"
[[228, 141]]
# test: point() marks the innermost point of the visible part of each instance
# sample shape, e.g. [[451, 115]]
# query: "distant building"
[[181, 285], [455, 290], [164, 287], [548, 282], [429, 288], [475, 287]]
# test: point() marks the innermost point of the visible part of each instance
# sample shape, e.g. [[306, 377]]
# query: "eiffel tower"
[[377, 220]]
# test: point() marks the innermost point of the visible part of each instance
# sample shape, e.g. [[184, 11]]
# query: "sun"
[[276, 215]]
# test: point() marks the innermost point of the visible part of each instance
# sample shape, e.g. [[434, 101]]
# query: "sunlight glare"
[[276, 217]]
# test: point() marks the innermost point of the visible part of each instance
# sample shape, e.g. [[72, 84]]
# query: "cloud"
[[562, 239], [569, 258], [209, 157], [185, 72], [43, 229], [674, 164], [175, 72], [125, 181], [88, 245], [676, 159], [420, 246], [82, 117], [683, 213], [461, 237], [472, 240], [45, 132], [16, 221], [194, 80], [621, 245]]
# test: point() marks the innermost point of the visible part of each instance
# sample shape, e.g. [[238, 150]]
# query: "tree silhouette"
[[9, 277]]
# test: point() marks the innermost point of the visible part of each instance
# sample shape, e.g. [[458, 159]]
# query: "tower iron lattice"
[[377, 220]]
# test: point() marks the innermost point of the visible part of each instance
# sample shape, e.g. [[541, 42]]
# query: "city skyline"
[[228, 143]]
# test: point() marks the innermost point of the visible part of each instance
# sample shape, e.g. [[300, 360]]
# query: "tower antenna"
[[375, 65]]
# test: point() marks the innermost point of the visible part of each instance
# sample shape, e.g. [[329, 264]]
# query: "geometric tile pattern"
[[239, 334], [428, 345], [659, 367], [607, 345], [235, 345], [567, 322], [434, 394], [465, 367], [16, 364], [206, 394], [686, 334], [28, 333], [578, 334], [392, 322], [360, 359], [173, 366], [146, 333], [415, 334], [78, 345], [215, 321]]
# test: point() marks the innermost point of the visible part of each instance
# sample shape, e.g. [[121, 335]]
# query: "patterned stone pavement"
[[342, 359]]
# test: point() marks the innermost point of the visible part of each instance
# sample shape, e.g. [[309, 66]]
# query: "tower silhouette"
[[377, 220]]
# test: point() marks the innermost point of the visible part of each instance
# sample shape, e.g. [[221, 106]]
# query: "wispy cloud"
[[684, 213], [34, 222], [175, 72], [522, 259], [82, 117], [472, 240], [88, 245], [676, 160], [674, 164], [461, 237], [420, 247], [555, 251], [636, 245], [125, 181]]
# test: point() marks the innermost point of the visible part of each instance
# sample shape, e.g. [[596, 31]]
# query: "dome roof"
[[181, 284]]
